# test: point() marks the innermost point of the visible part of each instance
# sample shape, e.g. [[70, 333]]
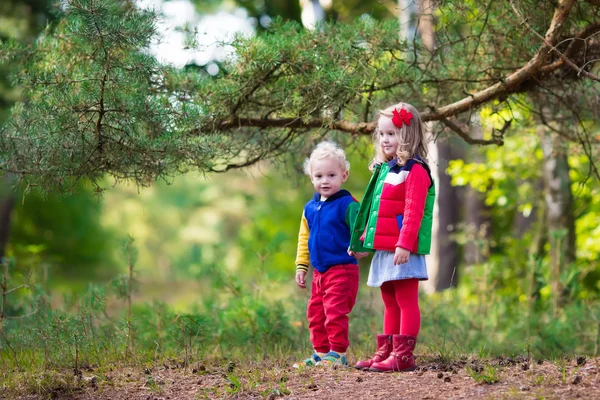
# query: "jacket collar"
[[393, 164], [340, 194]]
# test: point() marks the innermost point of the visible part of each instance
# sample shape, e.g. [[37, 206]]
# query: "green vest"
[[362, 218], [369, 208]]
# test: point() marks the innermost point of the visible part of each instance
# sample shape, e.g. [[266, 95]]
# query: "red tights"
[[401, 301]]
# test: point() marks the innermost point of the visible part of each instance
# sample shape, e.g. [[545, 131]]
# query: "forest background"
[[123, 258]]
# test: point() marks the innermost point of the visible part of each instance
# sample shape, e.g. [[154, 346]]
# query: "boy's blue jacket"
[[325, 229]]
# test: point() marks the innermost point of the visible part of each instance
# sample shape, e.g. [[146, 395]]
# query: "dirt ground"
[[465, 379]]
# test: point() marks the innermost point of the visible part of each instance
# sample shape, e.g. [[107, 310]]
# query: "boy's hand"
[[401, 256], [358, 255], [300, 279]]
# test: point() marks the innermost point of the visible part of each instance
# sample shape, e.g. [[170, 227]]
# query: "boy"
[[323, 242]]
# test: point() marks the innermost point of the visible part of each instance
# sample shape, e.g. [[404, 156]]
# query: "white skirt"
[[383, 268]]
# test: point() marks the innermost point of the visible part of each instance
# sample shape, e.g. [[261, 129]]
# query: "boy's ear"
[[344, 176]]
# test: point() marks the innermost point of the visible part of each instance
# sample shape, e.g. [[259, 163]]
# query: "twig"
[[496, 139], [570, 63]]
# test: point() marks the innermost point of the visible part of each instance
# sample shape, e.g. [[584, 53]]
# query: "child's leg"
[[316, 315], [407, 296], [340, 286], [391, 314]]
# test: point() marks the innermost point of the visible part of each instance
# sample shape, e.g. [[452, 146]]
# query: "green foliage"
[[107, 112], [511, 182], [214, 258], [22, 20], [489, 375], [65, 234], [97, 103]]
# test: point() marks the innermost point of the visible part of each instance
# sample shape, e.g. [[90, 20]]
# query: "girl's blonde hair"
[[324, 150], [411, 139]]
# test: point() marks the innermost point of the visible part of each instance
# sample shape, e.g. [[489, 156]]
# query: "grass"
[[49, 349], [269, 378], [488, 374]]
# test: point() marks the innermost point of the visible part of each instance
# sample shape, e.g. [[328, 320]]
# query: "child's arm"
[[351, 213], [302, 254], [417, 185]]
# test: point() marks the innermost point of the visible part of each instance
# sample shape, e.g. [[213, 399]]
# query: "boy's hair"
[[324, 150], [411, 139]]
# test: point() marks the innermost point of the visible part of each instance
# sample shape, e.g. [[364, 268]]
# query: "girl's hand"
[[401, 256], [300, 275]]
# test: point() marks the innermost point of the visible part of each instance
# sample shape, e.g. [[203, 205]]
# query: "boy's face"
[[327, 176], [387, 137]]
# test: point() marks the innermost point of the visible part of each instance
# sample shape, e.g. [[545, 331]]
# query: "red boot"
[[401, 358], [384, 348]]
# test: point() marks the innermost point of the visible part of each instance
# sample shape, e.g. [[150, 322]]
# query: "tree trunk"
[[312, 13], [559, 212], [449, 215], [477, 219], [477, 226], [559, 199], [408, 11], [523, 223], [7, 203], [442, 263], [538, 244]]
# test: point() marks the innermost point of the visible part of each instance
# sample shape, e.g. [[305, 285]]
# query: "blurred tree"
[[21, 20], [66, 233], [344, 11]]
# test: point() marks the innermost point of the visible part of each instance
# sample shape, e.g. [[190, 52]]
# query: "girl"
[[395, 220]]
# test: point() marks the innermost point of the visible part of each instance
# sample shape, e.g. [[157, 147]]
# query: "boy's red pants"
[[332, 297]]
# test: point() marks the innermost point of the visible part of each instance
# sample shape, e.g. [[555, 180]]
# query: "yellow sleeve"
[[303, 255]]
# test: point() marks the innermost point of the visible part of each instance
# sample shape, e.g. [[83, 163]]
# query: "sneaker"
[[309, 362], [333, 359]]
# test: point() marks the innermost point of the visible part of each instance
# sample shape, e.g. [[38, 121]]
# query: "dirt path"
[[433, 380]]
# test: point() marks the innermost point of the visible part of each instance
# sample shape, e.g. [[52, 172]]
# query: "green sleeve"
[[351, 212]]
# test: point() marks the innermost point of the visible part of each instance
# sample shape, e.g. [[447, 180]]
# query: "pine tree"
[[96, 102]]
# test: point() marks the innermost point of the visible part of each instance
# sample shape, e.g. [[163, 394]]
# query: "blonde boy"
[[323, 242]]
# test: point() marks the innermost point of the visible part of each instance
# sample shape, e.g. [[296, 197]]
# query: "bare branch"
[[360, 128], [460, 129], [577, 42], [363, 128], [514, 80], [567, 61], [254, 88], [16, 288], [274, 151], [23, 316]]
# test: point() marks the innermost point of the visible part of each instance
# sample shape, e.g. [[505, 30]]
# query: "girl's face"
[[387, 137]]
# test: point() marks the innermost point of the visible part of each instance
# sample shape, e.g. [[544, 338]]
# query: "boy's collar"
[[341, 193]]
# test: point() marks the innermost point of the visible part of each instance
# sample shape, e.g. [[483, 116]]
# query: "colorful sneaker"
[[309, 362], [333, 359]]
